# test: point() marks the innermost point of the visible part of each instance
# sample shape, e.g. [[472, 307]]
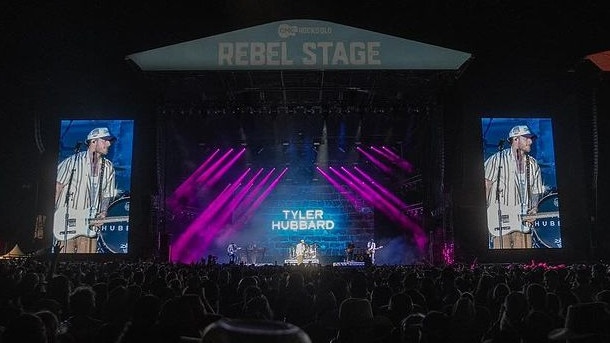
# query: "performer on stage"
[[349, 251], [300, 251], [252, 252], [232, 252], [371, 246]]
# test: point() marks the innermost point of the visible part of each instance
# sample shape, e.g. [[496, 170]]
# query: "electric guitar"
[[234, 251], [79, 224], [370, 251], [512, 219]]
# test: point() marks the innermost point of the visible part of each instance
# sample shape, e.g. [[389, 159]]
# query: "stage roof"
[[300, 45], [601, 60], [301, 63]]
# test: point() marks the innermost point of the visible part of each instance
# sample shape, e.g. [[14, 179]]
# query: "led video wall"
[[92, 188], [521, 193]]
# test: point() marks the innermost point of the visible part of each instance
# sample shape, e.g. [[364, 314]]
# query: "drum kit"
[[311, 251]]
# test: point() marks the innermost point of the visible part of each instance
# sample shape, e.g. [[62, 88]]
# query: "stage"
[[307, 261], [293, 261], [349, 264]]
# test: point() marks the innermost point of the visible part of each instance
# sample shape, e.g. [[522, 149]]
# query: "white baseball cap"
[[521, 130], [100, 132]]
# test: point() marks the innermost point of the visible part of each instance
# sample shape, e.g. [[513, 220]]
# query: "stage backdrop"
[[267, 182]]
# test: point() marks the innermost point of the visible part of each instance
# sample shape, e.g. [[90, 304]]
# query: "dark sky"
[[46, 41], [69, 55]]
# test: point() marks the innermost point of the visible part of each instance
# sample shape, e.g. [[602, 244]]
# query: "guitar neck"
[[540, 215], [108, 220]]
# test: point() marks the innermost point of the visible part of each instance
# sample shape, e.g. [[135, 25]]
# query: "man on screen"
[[84, 187], [513, 186]]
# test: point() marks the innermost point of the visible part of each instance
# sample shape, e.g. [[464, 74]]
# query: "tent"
[[14, 253]]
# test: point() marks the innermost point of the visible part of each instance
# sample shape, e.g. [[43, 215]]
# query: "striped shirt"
[[516, 187], [85, 187]]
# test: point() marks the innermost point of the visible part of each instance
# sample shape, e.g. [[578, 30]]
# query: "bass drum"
[[311, 252], [547, 230], [113, 236]]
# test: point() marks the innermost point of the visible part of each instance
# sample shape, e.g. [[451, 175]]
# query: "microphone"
[[501, 144], [77, 146]]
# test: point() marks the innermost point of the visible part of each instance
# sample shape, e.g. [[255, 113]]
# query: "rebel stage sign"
[[298, 45]]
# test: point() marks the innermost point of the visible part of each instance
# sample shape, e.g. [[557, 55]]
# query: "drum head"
[[113, 236], [547, 230]]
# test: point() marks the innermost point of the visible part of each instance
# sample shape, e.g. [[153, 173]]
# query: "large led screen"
[[92, 188], [522, 197], [257, 189]]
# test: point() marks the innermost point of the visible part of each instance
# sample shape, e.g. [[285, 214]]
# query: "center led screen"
[[261, 185]]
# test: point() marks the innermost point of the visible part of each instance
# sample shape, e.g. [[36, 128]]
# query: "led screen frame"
[[530, 217], [96, 221]]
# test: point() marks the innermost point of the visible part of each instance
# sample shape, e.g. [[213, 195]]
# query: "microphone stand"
[[67, 200], [99, 241], [500, 148]]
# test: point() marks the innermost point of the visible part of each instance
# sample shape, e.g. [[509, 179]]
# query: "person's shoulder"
[[109, 162], [493, 156], [72, 156]]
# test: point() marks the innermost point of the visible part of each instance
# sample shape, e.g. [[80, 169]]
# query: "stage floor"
[[349, 264], [293, 261]]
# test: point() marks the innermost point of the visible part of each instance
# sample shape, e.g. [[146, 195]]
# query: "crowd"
[[147, 301]]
